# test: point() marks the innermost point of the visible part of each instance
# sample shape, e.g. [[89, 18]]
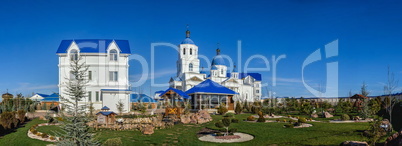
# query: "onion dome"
[[187, 40], [218, 59]]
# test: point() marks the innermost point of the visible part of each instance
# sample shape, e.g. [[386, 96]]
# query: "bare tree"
[[364, 90], [389, 88]]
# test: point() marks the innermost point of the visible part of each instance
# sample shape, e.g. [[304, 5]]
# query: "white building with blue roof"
[[107, 74], [189, 74]]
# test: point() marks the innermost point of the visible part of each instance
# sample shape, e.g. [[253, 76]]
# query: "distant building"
[[107, 74], [190, 73]]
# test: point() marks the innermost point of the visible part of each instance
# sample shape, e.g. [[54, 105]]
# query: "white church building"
[[190, 74], [107, 74]]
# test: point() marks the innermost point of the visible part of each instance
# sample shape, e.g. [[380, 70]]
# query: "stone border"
[[243, 137], [34, 136]]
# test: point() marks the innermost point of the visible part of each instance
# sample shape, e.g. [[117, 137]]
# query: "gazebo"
[[105, 116], [172, 95], [209, 95]]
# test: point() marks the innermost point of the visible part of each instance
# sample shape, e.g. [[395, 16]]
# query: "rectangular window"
[[89, 75], [257, 91], [97, 95], [89, 96], [113, 76], [101, 98]]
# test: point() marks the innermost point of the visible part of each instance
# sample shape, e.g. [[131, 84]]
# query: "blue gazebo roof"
[[211, 87], [179, 92], [105, 108], [106, 113]]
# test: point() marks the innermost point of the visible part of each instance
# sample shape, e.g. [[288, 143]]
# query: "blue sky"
[[368, 33]]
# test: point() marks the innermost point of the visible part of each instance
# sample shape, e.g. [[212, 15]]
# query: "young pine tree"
[[74, 125]]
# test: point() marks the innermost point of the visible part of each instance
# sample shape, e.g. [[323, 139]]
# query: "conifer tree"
[[76, 131]]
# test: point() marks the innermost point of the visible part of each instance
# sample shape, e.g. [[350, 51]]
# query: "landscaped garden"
[[265, 133]]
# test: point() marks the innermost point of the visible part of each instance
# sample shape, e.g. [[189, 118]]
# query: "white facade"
[[189, 73], [107, 73]]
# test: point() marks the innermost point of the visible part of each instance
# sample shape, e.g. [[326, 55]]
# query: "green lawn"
[[20, 136], [265, 134]]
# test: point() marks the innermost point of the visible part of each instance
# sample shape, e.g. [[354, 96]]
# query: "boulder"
[[327, 115], [354, 143], [148, 130], [314, 115], [185, 119]]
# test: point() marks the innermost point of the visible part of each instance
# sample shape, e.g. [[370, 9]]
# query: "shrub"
[[284, 120], [289, 116], [261, 119], [345, 117], [302, 120], [226, 122], [233, 130], [289, 126], [7, 119], [229, 115], [235, 120], [113, 142], [277, 120], [52, 138], [44, 135], [238, 108], [291, 121], [219, 124], [34, 131], [222, 109], [21, 116], [250, 118]]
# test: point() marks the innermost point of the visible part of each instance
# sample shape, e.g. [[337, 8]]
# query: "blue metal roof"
[[54, 95], [94, 45], [187, 41], [209, 86], [105, 108], [181, 93], [218, 60], [50, 99], [235, 69], [106, 113], [42, 95], [256, 76], [141, 98], [214, 67]]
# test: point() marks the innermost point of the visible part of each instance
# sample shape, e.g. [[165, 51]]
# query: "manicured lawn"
[[20, 136], [265, 134]]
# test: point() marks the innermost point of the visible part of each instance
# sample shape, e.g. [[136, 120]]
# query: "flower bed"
[[227, 137]]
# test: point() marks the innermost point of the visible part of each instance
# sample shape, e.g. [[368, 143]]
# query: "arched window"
[[184, 51], [74, 55], [191, 51], [190, 67], [113, 55]]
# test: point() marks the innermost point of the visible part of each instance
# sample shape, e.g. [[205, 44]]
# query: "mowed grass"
[[20, 137], [265, 134]]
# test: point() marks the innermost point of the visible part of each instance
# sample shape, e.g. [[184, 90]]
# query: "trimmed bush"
[[238, 108], [277, 120], [222, 109], [284, 120], [219, 124], [113, 142], [34, 131], [52, 138], [302, 120], [235, 120], [232, 130], [261, 119], [345, 117], [289, 126], [229, 115], [44, 135], [250, 118], [291, 121]]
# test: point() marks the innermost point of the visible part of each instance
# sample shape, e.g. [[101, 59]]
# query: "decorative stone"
[[314, 115], [327, 115], [148, 130]]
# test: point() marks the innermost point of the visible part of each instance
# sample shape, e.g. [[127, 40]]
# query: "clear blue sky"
[[369, 35]]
